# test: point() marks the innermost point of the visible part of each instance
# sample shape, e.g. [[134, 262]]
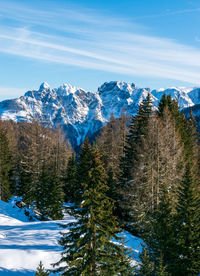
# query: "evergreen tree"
[[5, 167], [137, 131], [111, 182], [12, 135], [187, 227], [70, 180], [56, 196], [146, 265], [42, 198], [161, 269], [161, 238], [167, 101], [88, 246], [49, 198], [41, 271], [83, 167], [193, 145]]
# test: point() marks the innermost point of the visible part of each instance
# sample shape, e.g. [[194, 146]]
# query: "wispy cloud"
[[169, 12], [90, 40]]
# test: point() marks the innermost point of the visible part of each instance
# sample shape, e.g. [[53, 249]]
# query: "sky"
[[88, 42]]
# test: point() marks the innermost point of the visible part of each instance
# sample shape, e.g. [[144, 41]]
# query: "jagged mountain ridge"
[[83, 113]]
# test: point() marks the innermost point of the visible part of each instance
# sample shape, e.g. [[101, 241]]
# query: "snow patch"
[[24, 244]]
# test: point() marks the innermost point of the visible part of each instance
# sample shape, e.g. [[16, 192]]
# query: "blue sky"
[[85, 43]]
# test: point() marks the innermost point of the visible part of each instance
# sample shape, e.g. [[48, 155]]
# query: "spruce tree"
[[161, 238], [83, 166], [42, 200], [187, 227], [126, 188], [146, 266], [137, 129], [161, 269], [70, 180], [5, 166], [56, 196], [88, 245], [41, 271], [49, 198]]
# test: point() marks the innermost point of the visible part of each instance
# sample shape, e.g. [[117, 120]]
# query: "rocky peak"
[[116, 86], [66, 89], [44, 86], [80, 112]]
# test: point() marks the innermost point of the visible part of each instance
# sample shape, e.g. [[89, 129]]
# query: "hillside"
[[23, 244]]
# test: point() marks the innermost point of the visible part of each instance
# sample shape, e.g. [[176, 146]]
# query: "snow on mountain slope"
[[24, 244], [83, 113]]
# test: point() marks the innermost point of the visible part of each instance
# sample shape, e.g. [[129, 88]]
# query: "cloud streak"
[[84, 38], [170, 12]]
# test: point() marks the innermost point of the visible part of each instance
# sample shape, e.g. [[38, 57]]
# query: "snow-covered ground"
[[24, 244]]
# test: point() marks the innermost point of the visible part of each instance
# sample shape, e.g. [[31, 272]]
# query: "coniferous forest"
[[141, 174]]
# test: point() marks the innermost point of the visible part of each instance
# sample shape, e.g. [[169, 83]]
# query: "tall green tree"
[[70, 180], [5, 166], [160, 238], [161, 269], [137, 131], [187, 227], [41, 271], [88, 245], [49, 198], [83, 166], [146, 265]]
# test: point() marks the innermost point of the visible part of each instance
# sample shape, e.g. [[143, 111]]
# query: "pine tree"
[[146, 265], [56, 196], [41, 271], [137, 129], [83, 167], [161, 237], [10, 129], [88, 246], [161, 269], [42, 199], [70, 180], [49, 197], [126, 187], [187, 227], [5, 167]]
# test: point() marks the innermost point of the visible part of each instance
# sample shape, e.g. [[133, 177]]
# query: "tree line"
[[152, 168], [141, 174], [33, 161]]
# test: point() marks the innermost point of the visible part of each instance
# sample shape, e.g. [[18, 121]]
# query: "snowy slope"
[[23, 244], [83, 113]]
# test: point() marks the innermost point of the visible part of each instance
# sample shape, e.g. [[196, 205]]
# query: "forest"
[[141, 174]]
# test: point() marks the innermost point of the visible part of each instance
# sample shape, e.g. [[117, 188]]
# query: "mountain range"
[[82, 113]]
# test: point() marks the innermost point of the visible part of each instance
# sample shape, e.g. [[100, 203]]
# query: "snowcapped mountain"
[[80, 112]]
